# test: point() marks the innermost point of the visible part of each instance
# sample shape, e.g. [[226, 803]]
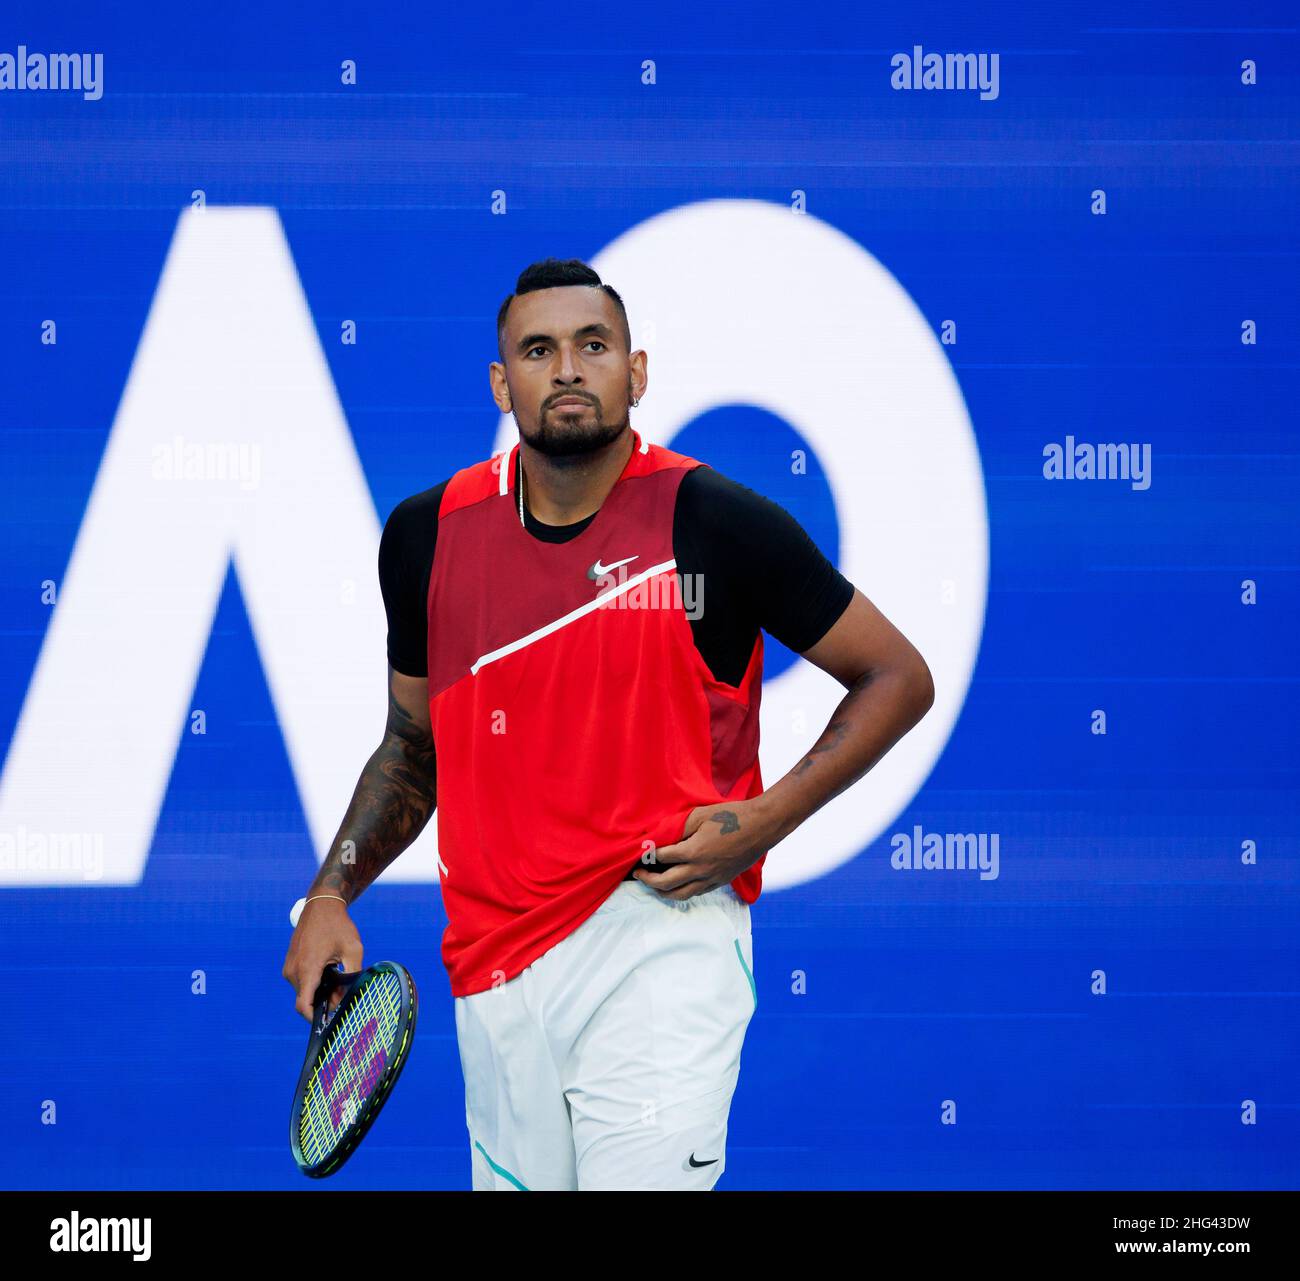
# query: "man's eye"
[[596, 342]]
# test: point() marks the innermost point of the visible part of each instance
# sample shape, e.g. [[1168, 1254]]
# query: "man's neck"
[[563, 491]]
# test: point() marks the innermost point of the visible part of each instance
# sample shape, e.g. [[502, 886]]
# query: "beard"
[[571, 433]]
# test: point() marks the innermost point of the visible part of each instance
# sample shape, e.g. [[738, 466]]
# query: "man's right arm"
[[392, 803], [394, 797]]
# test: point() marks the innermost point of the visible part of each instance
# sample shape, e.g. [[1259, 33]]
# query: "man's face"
[[566, 345]]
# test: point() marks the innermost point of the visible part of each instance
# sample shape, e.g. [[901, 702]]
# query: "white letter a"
[[230, 362]]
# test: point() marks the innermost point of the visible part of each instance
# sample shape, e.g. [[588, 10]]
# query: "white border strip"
[[570, 617]]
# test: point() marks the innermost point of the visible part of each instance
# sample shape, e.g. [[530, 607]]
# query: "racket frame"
[[332, 978]]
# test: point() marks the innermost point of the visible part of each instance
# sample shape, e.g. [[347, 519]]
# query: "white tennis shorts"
[[610, 1062]]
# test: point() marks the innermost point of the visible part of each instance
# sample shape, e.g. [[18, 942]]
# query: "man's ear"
[[497, 377]]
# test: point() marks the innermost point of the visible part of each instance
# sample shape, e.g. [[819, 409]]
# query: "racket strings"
[[350, 1065]]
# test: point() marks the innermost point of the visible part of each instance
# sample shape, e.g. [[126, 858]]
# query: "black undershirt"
[[759, 568]]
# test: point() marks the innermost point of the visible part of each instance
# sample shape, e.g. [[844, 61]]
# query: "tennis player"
[[574, 683]]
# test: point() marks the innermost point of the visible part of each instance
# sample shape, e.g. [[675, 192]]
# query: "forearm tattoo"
[[394, 797], [836, 730]]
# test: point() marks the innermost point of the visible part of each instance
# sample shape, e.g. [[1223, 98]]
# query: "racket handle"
[[333, 976]]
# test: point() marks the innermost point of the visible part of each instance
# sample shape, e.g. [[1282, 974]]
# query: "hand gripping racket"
[[354, 1057]]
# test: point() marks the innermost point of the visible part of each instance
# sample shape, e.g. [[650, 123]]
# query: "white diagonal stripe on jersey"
[[571, 616]]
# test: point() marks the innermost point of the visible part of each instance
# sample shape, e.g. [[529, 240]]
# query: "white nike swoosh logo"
[[597, 570]]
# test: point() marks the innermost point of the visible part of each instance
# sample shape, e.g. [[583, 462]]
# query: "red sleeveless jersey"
[[576, 724]]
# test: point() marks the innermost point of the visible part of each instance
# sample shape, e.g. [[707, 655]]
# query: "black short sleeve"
[[761, 569], [405, 563]]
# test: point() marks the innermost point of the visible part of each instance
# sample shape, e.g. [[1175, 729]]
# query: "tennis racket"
[[354, 1057]]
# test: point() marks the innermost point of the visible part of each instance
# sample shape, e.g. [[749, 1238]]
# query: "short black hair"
[[548, 274]]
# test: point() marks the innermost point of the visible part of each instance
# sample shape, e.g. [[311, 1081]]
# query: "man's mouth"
[[571, 403]]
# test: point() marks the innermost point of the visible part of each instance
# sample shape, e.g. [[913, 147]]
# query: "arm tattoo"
[[836, 730], [394, 797]]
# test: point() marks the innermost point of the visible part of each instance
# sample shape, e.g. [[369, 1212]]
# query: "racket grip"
[[331, 977]]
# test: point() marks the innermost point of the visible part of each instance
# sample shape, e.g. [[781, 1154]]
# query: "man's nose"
[[567, 373]]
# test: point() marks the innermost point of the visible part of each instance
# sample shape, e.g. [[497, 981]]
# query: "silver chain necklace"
[[519, 485]]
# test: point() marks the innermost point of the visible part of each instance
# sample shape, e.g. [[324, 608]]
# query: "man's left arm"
[[775, 576], [890, 690]]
